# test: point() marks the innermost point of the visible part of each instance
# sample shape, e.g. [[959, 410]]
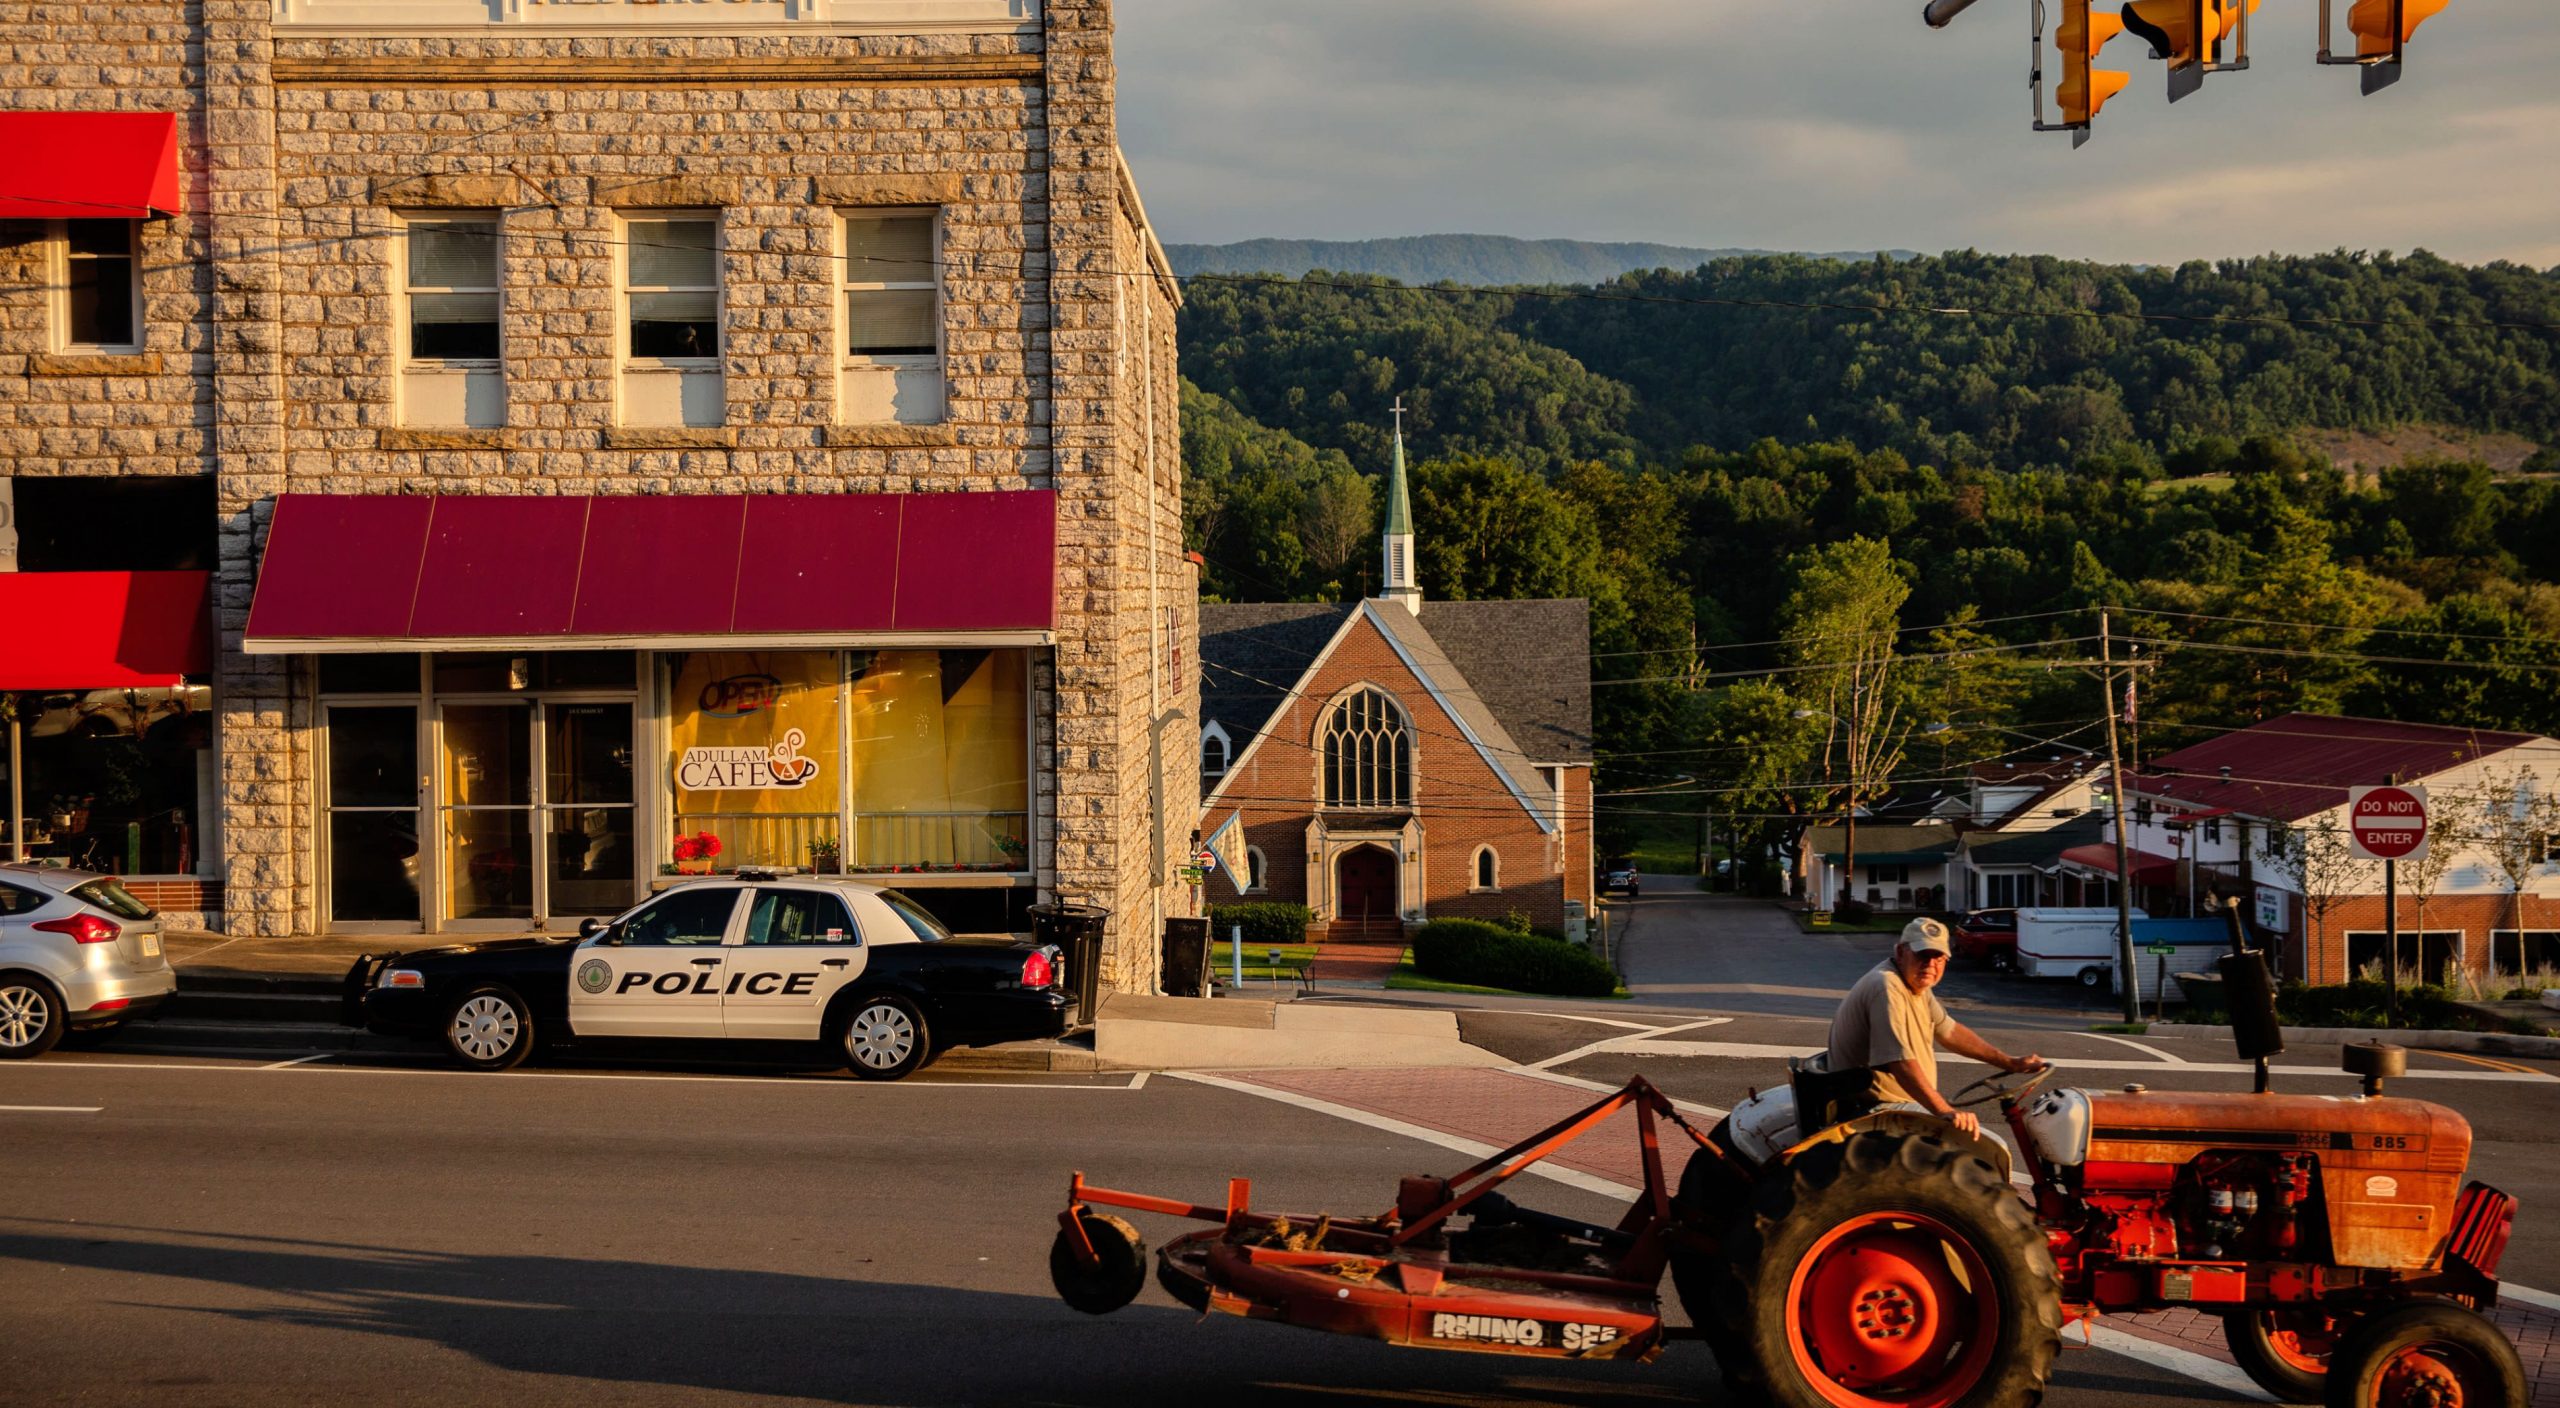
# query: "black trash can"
[[1076, 930], [1186, 958]]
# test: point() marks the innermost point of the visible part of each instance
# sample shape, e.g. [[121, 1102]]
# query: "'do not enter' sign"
[[2387, 823]]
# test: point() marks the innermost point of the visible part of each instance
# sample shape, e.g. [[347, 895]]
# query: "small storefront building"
[[530, 711]]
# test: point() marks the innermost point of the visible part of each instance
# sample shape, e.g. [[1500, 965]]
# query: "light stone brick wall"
[[272, 306]]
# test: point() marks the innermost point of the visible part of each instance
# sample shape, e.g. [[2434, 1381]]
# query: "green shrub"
[[1266, 923], [1486, 955], [1853, 912]]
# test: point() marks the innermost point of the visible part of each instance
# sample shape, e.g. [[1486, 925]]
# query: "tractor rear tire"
[[2285, 1352], [1710, 1190], [1892, 1268], [2412, 1354]]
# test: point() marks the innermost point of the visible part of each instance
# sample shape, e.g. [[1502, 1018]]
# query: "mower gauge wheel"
[[1113, 1278], [1993, 1088]]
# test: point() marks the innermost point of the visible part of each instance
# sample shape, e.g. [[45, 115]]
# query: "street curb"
[[2478, 1043]]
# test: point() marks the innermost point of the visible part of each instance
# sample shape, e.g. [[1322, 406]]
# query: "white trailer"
[[2069, 943]]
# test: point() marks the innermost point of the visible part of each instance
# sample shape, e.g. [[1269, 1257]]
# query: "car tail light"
[[113, 1004], [83, 928], [1037, 970]]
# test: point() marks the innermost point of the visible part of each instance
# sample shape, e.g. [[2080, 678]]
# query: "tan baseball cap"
[[1926, 936]]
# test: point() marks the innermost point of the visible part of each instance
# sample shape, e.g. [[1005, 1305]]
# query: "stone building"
[[597, 426], [1397, 760]]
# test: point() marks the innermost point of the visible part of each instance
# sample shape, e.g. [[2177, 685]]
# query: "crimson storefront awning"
[[2148, 868], [88, 165], [349, 572], [105, 630]]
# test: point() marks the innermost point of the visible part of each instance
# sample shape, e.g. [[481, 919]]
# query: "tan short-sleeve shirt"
[[1883, 1020]]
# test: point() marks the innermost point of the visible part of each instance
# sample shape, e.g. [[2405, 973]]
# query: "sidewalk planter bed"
[[1478, 954], [2361, 1005], [1267, 924]]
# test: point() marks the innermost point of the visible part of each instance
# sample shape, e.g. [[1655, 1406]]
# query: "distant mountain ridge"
[[1463, 259]]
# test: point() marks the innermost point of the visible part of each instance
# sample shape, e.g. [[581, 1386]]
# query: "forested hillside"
[[1757, 466], [1461, 259]]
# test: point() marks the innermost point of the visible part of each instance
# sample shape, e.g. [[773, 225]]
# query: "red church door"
[[1364, 884]]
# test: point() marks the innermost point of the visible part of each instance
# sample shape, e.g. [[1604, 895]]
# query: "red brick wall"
[[2474, 916], [1461, 801]]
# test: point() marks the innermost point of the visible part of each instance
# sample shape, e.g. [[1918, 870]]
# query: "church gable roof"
[[1252, 656], [1530, 662]]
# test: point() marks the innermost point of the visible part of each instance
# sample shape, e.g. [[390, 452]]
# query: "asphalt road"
[[196, 1229]]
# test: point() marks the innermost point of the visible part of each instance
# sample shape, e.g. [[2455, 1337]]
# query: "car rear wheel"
[[489, 1030], [30, 1018], [885, 1038]]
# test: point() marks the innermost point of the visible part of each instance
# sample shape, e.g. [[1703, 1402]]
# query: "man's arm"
[[1914, 1079], [1961, 1040]]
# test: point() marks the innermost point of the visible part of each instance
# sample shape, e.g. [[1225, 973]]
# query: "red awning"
[[88, 165], [105, 630], [2148, 868], [347, 572]]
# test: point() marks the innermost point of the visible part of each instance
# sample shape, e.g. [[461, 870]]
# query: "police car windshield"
[[925, 925]]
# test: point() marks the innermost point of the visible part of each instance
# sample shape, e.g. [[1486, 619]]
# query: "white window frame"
[[1216, 733], [849, 362], [624, 289], [402, 289], [2498, 937], [58, 272], [1257, 871], [2460, 965], [1476, 869]]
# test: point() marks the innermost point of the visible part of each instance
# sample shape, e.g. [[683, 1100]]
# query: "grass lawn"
[[1879, 925], [1294, 959], [1407, 978]]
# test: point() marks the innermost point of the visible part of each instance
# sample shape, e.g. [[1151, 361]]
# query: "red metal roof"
[[362, 571], [105, 630], [88, 165], [2149, 868], [2302, 764]]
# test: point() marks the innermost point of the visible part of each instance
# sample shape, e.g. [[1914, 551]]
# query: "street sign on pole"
[[2387, 823]]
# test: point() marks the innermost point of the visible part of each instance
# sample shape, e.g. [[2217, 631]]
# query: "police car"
[[753, 957]]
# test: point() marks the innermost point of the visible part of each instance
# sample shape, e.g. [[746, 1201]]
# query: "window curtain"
[[941, 763]]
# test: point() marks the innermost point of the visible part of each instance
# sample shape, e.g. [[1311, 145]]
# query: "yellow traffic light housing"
[[2188, 34], [2085, 88], [2382, 29]]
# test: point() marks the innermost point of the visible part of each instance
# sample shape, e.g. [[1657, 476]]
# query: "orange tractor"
[[1882, 1258]]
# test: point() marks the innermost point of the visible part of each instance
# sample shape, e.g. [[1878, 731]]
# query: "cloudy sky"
[[1824, 125]]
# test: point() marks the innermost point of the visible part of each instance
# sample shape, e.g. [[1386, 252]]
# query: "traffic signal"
[[2169, 27], [2371, 21], [2085, 87]]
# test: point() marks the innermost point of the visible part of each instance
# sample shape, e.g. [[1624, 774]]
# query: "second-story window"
[[1368, 759], [892, 332], [449, 279], [671, 321], [100, 307]]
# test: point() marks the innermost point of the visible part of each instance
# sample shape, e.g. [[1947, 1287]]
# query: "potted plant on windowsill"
[[824, 858], [694, 853]]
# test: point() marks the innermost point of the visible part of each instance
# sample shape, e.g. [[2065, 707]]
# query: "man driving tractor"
[[1891, 1023]]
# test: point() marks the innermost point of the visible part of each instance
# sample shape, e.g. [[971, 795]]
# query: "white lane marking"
[[2185, 1362], [52, 1109], [1139, 1081], [1578, 1083], [1618, 1043], [2164, 1056], [1751, 1051], [299, 1061], [2539, 1300], [1571, 1178], [802, 1082]]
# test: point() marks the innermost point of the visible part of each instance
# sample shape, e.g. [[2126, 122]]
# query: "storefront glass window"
[[112, 780], [756, 745], [941, 760]]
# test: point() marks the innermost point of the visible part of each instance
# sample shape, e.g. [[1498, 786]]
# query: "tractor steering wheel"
[[1992, 1088]]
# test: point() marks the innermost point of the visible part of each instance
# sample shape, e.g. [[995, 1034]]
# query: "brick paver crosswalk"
[[1495, 1107]]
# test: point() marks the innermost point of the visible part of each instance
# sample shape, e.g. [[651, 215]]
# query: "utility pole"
[[2115, 792]]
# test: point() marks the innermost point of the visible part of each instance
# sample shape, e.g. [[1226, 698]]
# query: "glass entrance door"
[[487, 811], [374, 856], [587, 808]]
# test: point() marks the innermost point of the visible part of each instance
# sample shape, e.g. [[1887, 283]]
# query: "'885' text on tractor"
[[1874, 1258]]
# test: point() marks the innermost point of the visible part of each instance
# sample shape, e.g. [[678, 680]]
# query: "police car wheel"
[[489, 1030], [885, 1038]]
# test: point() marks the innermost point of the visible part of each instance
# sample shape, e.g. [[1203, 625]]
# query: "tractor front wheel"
[[2428, 1354], [1892, 1269], [2285, 1352]]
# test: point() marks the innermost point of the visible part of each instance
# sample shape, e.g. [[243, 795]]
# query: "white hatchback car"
[[77, 953]]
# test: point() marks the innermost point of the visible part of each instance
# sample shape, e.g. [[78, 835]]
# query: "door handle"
[[836, 963], [706, 963]]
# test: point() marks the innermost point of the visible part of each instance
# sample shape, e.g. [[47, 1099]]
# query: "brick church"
[[1397, 760]]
